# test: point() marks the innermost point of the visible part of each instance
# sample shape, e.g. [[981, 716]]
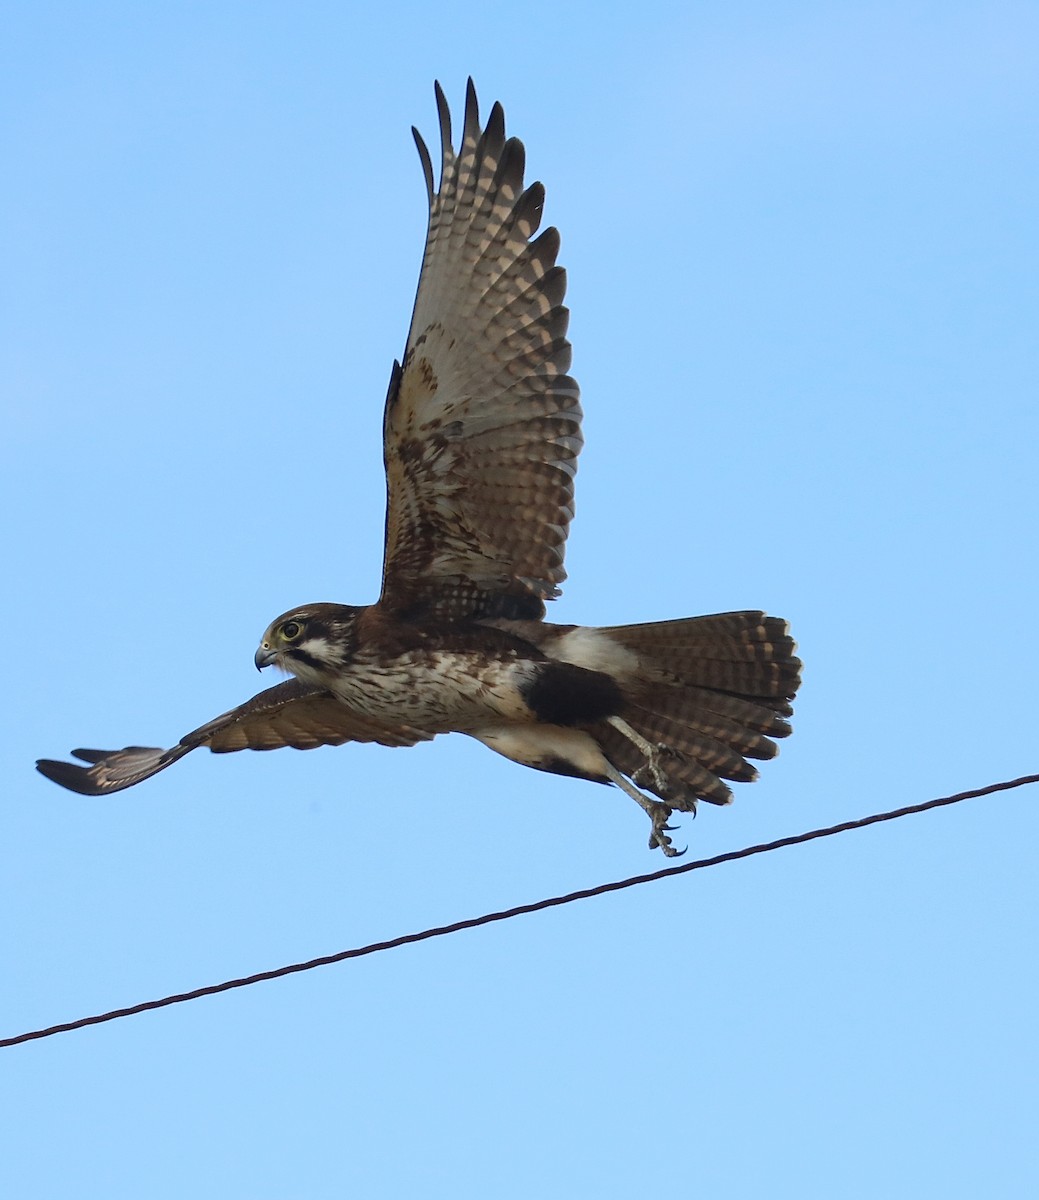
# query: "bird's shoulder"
[[382, 633]]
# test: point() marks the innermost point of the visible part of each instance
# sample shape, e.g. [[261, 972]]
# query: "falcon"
[[481, 435]]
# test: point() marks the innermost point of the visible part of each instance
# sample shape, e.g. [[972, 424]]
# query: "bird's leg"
[[658, 813], [651, 751]]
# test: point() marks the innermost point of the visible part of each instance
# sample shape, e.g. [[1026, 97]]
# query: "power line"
[[521, 909]]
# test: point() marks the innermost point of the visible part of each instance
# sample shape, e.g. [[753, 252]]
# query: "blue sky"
[[802, 257]]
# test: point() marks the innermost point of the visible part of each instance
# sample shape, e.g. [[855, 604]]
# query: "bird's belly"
[[441, 691]]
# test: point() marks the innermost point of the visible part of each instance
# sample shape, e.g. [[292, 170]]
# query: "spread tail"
[[709, 694]]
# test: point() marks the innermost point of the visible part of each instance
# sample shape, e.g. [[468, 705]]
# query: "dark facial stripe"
[[308, 660]]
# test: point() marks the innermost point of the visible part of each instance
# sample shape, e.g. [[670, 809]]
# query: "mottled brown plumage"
[[481, 438], [482, 426]]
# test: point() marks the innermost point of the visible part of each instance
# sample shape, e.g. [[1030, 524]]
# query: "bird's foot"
[[658, 813]]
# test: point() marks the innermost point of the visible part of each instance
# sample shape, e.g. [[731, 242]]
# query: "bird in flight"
[[481, 435]]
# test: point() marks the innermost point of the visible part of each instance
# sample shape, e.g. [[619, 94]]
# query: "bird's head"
[[310, 643]]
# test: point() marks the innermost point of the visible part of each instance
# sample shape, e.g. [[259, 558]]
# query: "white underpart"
[[321, 649], [595, 651], [544, 745]]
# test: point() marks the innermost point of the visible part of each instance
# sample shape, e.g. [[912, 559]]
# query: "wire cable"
[[520, 910]]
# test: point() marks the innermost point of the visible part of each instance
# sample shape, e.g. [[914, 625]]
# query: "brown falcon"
[[482, 430]]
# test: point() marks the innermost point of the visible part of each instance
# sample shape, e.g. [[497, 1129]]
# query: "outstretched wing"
[[483, 425], [290, 714]]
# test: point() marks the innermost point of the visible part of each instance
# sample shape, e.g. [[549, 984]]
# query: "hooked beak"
[[264, 656]]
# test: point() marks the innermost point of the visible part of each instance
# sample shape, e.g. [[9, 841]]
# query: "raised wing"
[[290, 714], [483, 425]]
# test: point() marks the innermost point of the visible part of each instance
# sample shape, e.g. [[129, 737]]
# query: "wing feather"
[[289, 714], [483, 424]]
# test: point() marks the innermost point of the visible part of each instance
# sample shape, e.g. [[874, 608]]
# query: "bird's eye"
[[291, 630]]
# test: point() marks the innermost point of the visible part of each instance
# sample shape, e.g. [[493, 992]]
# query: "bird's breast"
[[437, 690]]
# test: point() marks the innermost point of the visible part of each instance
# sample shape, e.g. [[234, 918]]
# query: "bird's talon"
[[658, 841]]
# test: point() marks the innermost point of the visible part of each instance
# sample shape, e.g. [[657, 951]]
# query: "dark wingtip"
[[68, 775], [471, 121], [426, 161], [444, 114], [110, 770], [91, 756]]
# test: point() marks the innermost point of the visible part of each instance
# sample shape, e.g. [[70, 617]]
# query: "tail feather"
[[686, 780], [746, 714], [757, 680], [711, 692], [746, 654], [669, 717], [748, 626], [743, 653]]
